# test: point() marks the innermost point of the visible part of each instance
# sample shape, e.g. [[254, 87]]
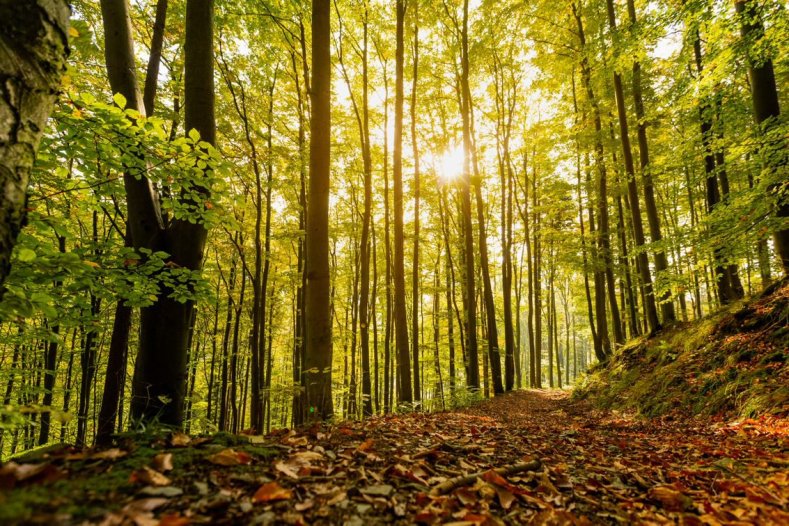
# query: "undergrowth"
[[733, 363]]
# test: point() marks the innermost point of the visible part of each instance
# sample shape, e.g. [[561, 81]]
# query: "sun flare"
[[449, 165]]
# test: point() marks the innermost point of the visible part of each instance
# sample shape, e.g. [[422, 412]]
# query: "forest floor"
[[534, 456]]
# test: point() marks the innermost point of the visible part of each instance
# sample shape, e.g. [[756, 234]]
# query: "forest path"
[[595, 467], [611, 467]]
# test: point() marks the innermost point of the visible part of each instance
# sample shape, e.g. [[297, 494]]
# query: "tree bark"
[[317, 314], [415, 294], [767, 111], [632, 188], [472, 364], [653, 219], [405, 394], [33, 51]]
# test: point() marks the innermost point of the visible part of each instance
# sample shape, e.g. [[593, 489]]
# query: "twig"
[[456, 482]]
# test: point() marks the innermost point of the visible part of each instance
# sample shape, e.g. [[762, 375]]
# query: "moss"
[[95, 487], [700, 368]]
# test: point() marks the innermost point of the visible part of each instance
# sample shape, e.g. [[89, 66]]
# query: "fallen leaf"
[[506, 498], [163, 462], [173, 519], [161, 491], [146, 475], [109, 454], [670, 498], [230, 457], [179, 439], [142, 505], [378, 490], [367, 445], [270, 492]]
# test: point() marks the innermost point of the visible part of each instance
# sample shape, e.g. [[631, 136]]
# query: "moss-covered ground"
[[86, 485], [733, 364]]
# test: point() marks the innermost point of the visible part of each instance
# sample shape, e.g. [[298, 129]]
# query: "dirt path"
[[595, 467]]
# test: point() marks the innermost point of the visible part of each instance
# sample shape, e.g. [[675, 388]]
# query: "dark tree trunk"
[[638, 227], [661, 262], [725, 290], [116, 373], [364, 293], [602, 245], [33, 51], [767, 111], [316, 369], [400, 322], [472, 359], [119, 340], [415, 294], [159, 383]]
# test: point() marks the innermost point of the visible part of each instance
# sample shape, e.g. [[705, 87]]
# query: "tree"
[[767, 112], [316, 369], [632, 190], [159, 383], [400, 320], [472, 359], [33, 52]]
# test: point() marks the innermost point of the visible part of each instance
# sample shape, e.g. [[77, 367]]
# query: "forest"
[[351, 219]]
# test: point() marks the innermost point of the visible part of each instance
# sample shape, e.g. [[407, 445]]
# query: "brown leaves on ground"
[[597, 467]]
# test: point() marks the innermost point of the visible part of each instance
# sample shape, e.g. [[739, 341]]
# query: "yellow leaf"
[[72, 32]]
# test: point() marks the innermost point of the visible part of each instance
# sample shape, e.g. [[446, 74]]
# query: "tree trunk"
[[317, 316], [159, 383], [767, 111], [632, 188], [725, 290], [472, 359], [33, 51], [602, 247], [405, 394], [364, 293], [661, 262], [415, 294]]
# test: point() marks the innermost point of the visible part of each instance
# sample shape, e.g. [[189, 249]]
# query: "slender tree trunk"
[[767, 111], [116, 373], [537, 280], [725, 290], [50, 366], [405, 394], [155, 57], [602, 248], [472, 359], [317, 316], [632, 188], [364, 303], [415, 294], [119, 341], [661, 262]]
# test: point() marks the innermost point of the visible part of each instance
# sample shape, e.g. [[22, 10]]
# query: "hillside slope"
[[734, 363]]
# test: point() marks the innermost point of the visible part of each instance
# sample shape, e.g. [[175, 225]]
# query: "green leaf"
[[27, 255], [120, 100]]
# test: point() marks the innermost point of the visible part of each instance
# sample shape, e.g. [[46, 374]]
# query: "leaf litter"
[[529, 457]]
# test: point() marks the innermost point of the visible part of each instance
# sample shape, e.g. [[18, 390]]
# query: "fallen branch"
[[456, 482]]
